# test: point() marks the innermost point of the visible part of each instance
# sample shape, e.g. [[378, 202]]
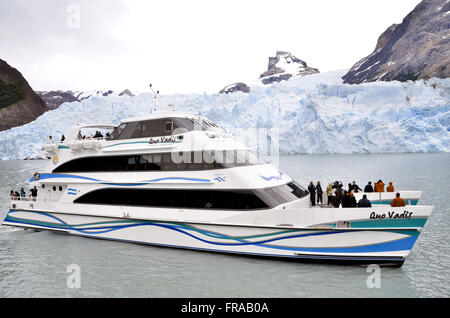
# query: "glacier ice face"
[[311, 114]]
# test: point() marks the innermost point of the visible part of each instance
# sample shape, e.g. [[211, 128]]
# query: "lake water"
[[34, 264]]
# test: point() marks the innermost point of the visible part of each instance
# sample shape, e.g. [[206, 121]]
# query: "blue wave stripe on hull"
[[306, 256], [397, 245], [53, 176]]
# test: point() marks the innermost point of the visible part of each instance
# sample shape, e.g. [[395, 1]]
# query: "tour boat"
[[178, 180]]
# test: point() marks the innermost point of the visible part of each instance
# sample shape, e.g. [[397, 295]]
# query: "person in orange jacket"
[[390, 187], [398, 201], [379, 186]]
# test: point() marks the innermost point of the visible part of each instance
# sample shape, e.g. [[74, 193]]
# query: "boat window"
[[116, 132], [128, 131], [176, 161], [282, 194], [157, 161], [152, 128], [176, 198], [168, 127]]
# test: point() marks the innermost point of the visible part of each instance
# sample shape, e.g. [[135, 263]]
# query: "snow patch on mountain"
[[283, 66]]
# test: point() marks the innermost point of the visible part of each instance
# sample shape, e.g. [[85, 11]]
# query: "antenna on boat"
[[158, 98]]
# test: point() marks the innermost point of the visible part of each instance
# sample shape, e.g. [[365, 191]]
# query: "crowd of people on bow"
[[337, 195], [17, 195]]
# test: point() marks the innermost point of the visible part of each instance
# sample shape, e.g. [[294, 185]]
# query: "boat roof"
[[160, 114], [108, 126]]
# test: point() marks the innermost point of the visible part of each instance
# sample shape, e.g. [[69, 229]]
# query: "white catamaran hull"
[[371, 235]]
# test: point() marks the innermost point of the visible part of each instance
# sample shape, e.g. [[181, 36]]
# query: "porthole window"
[[54, 188], [60, 188]]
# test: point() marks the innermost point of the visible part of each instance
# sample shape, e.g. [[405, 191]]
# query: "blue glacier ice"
[[312, 114]]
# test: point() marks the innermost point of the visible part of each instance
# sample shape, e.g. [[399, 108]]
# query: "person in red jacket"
[[390, 187], [398, 201]]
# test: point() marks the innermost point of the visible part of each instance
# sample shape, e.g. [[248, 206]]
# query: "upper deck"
[[155, 142]]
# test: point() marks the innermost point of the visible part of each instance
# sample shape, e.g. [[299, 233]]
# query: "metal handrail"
[[23, 198]]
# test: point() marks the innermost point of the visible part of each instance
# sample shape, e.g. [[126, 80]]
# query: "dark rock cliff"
[[19, 104], [418, 48]]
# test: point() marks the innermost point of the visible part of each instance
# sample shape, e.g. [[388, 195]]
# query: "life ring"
[[36, 176]]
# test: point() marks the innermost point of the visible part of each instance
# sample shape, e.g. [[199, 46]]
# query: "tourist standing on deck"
[[319, 193], [34, 192], [368, 187], [364, 202], [352, 200], [345, 199], [349, 187], [339, 194], [312, 193], [390, 187], [398, 201], [379, 186], [22, 192], [329, 189], [354, 187]]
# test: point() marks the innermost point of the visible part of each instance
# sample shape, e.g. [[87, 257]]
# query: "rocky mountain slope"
[[19, 104], [55, 98], [418, 48], [236, 87]]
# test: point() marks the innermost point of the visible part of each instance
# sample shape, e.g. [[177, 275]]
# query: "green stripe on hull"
[[388, 202], [414, 223]]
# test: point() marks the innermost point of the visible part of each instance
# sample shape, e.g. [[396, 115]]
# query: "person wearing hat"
[[390, 187]]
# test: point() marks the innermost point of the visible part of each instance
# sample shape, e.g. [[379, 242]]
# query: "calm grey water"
[[34, 264]]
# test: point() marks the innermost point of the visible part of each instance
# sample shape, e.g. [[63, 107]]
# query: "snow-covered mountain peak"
[[81, 95], [283, 66]]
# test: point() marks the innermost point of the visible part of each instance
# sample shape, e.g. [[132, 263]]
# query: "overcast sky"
[[184, 45]]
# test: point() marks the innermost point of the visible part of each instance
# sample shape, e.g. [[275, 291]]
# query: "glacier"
[[312, 114]]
